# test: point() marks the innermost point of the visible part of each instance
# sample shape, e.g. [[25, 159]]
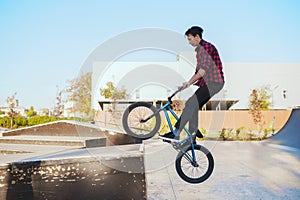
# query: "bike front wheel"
[[133, 124], [195, 171]]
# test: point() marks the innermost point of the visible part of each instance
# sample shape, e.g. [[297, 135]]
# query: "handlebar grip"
[[170, 97]]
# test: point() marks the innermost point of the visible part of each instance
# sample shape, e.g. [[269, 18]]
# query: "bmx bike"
[[194, 163]]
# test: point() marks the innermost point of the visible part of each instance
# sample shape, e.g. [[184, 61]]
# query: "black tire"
[[204, 159], [132, 116]]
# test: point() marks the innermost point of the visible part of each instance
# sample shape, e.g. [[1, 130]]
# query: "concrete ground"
[[243, 170], [252, 170]]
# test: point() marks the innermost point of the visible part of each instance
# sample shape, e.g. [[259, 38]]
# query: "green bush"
[[35, 120], [19, 121], [5, 122], [244, 134], [227, 134], [222, 134]]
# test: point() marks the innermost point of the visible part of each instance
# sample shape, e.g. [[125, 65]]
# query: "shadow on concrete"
[[19, 180], [84, 179]]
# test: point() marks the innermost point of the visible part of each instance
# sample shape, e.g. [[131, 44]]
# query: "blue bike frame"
[[167, 107]]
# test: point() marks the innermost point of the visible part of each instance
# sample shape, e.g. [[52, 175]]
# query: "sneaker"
[[199, 134], [169, 137]]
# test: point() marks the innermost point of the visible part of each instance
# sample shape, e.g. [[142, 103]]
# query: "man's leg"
[[193, 122], [190, 112], [203, 96], [190, 106]]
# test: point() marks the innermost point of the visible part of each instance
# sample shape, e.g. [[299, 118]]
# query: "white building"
[[19, 109], [157, 80]]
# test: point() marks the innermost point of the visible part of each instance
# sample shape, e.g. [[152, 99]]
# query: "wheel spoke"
[[132, 120], [195, 171]]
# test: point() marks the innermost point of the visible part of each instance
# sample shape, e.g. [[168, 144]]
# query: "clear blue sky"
[[44, 43]]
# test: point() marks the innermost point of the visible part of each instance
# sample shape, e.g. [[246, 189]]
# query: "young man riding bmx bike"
[[209, 78]]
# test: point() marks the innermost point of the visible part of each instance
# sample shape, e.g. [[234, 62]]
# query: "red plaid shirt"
[[209, 60]]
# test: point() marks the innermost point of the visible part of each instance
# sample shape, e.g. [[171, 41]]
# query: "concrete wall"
[[79, 178], [64, 128], [216, 120], [210, 120], [58, 128]]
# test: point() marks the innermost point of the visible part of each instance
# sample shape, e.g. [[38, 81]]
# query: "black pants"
[[194, 104]]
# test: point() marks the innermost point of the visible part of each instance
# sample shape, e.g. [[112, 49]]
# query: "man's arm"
[[193, 79]]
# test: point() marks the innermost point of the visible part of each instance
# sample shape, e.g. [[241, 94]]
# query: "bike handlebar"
[[170, 97]]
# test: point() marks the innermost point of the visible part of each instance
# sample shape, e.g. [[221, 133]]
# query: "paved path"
[[243, 170]]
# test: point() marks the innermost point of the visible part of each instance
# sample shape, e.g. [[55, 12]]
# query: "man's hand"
[[184, 86]]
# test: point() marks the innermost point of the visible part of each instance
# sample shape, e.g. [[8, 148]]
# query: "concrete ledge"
[[97, 173], [59, 128], [55, 140]]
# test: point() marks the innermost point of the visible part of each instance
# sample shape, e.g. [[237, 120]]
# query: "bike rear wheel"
[[132, 120], [198, 171]]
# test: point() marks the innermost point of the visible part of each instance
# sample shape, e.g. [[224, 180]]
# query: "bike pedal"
[[167, 141]]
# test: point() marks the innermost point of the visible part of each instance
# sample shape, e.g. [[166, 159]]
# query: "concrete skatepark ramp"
[[113, 172], [289, 135], [70, 160]]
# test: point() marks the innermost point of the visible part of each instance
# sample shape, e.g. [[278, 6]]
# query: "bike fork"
[[194, 160], [191, 158]]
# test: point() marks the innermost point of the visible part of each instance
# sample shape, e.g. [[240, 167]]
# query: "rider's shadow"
[[20, 180]]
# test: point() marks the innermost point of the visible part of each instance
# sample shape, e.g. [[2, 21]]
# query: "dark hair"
[[194, 30]]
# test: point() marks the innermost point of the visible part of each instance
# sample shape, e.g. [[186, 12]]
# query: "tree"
[[79, 94], [12, 105], [30, 112], [59, 107], [259, 100], [107, 92], [112, 92], [45, 111]]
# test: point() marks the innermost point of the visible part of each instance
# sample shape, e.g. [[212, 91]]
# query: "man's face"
[[194, 41]]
